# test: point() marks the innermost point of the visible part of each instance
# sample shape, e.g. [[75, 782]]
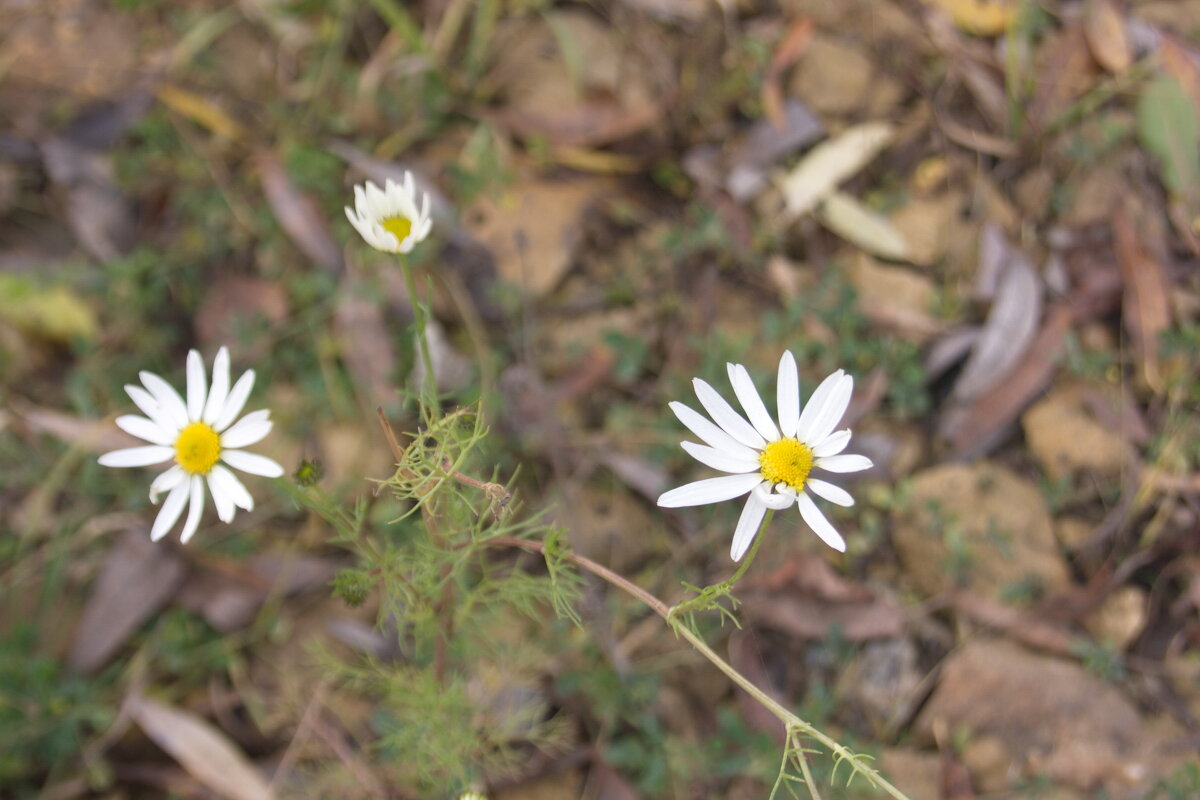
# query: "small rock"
[[833, 76], [881, 680], [927, 223], [980, 525], [1052, 718], [1066, 440], [1121, 618], [989, 762]]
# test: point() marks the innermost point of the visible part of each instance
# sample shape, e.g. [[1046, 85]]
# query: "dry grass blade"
[[206, 753]]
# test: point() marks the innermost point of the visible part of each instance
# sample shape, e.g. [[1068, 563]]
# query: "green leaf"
[[1168, 129]]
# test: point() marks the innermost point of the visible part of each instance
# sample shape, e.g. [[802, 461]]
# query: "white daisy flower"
[[772, 463], [199, 435], [388, 219]]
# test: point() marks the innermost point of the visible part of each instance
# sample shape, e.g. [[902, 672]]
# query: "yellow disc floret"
[[786, 461], [400, 227], [197, 448]]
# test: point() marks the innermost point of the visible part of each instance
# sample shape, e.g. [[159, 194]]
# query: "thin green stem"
[[429, 395], [705, 599], [791, 722]]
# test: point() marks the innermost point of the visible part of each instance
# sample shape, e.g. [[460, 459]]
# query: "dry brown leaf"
[[1065, 71], [835, 76], [1012, 321], [569, 80], [1145, 307], [533, 230], [298, 214], [1104, 28], [230, 596], [205, 752], [137, 579]]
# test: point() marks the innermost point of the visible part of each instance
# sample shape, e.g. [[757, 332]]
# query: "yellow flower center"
[[197, 448], [786, 461], [400, 227]]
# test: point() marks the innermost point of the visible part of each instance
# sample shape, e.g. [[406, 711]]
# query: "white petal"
[[196, 388], [747, 526], [219, 389], [832, 444], [166, 481], [248, 430], [167, 398], [150, 407], [719, 459], [252, 463], [834, 494], [710, 433], [195, 508], [723, 414], [821, 526], [137, 456], [221, 499], [170, 511], [146, 429], [822, 411], [787, 394], [231, 486], [777, 500], [844, 463], [747, 395], [710, 490], [235, 402]]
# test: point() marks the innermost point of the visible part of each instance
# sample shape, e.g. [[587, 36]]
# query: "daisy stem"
[[420, 319], [791, 722], [712, 594]]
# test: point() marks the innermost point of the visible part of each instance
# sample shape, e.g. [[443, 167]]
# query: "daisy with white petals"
[[388, 218], [200, 435], [772, 463]]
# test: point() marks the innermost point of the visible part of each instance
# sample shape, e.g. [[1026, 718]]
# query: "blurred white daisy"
[[773, 463], [198, 434], [388, 218]]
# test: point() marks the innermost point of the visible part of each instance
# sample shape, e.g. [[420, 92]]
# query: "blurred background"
[[986, 211]]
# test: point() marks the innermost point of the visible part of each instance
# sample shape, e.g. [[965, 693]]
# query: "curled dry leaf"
[[1012, 321], [204, 752], [830, 163]]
